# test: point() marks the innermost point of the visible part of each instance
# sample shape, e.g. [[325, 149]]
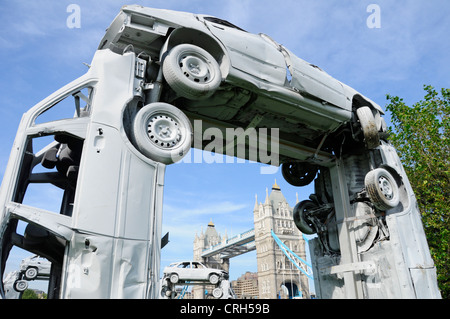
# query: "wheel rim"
[[217, 293], [164, 131], [213, 279], [21, 285], [174, 279], [386, 188], [195, 67], [31, 272]]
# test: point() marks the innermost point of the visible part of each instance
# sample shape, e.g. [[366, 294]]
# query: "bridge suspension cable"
[[301, 264], [183, 292]]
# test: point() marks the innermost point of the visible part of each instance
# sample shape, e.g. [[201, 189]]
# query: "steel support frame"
[[349, 252]]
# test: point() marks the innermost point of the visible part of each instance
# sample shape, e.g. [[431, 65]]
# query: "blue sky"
[[39, 54]]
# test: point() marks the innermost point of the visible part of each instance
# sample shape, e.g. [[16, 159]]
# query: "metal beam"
[[233, 247], [349, 252]]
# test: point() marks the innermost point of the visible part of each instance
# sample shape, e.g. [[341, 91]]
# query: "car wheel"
[[162, 132], [214, 279], [166, 292], [174, 278], [20, 285], [369, 127], [192, 72], [300, 212], [217, 293], [299, 174], [382, 189], [31, 273]]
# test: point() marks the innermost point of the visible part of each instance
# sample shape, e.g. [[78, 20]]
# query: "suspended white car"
[[193, 271], [155, 73]]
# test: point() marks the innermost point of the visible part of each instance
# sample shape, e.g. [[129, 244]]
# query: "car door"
[[249, 52], [190, 273], [182, 270], [195, 272], [310, 79]]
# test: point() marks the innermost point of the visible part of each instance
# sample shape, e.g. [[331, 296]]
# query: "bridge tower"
[[275, 271], [203, 241]]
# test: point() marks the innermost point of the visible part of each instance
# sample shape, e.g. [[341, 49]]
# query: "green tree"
[[421, 134], [29, 294]]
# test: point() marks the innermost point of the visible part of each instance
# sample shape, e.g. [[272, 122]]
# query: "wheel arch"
[[359, 101], [202, 40]]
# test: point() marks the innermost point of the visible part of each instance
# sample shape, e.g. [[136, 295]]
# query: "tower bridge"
[[279, 245], [233, 247]]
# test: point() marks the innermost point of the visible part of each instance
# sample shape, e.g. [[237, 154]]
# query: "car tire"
[[165, 292], [369, 127], [192, 72], [382, 189], [174, 278], [299, 174], [214, 279], [31, 273], [217, 293], [162, 132], [20, 285], [300, 220]]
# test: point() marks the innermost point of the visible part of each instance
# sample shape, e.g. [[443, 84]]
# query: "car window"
[[73, 105], [223, 22]]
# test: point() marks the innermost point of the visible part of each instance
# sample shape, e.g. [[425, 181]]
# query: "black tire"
[[165, 292], [382, 189], [369, 127], [299, 174], [162, 132], [300, 217], [192, 72]]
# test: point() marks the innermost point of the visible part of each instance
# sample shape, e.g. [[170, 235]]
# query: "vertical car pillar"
[[105, 241]]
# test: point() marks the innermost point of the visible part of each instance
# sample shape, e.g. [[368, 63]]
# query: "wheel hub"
[[164, 131], [195, 68], [386, 187]]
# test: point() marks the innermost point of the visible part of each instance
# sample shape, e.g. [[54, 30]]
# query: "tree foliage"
[[29, 294], [421, 135]]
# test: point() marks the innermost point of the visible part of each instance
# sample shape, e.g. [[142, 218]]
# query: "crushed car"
[[154, 74]]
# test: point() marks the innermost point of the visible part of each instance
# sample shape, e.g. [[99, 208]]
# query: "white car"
[[110, 134], [35, 266], [193, 271], [216, 71]]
